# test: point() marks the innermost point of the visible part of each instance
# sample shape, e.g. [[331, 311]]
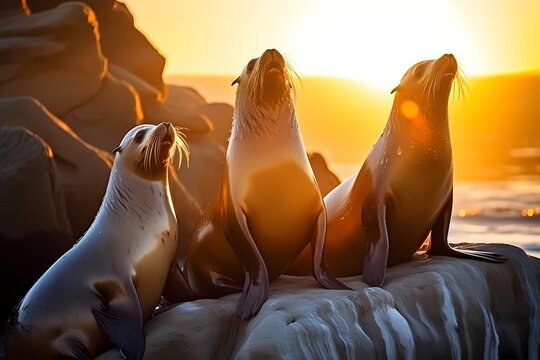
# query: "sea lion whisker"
[[182, 145]]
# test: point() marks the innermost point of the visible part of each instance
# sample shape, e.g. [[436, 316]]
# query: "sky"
[[373, 42]]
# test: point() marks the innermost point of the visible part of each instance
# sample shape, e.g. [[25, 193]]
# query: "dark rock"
[[126, 46], [83, 169], [108, 116], [53, 56], [34, 227]]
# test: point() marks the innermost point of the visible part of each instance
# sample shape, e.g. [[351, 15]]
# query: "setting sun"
[[370, 42], [375, 42]]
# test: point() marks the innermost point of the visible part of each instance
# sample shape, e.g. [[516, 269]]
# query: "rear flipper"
[[376, 258], [256, 282], [321, 274], [176, 287], [120, 317], [439, 239]]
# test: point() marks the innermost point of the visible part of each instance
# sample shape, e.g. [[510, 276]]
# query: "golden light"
[[376, 42], [410, 109], [527, 212], [462, 213]]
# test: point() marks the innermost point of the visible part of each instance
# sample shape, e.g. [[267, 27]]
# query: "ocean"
[[497, 212]]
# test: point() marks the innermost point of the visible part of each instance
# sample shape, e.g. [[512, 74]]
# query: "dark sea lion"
[[107, 286], [381, 216], [269, 207]]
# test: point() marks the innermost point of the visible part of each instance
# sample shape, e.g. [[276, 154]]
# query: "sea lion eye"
[[139, 136], [251, 65]]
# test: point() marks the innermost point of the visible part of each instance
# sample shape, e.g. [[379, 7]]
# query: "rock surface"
[[53, 56], [34, 227], [83, 169], [428, 308], [29, 185]]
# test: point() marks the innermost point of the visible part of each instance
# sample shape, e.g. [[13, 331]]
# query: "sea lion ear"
[[394, 89], [236, 81], [117, 149]]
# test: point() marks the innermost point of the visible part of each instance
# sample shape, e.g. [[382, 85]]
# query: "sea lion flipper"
[[377, 255], [256, 283], [176, 287], [121, 319], [327, 280], [439, 239]]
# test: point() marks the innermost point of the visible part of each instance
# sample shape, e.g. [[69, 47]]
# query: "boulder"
[[187, 209], [221, 116], [53, 56], [108, 116], [101, 7], [34, 227], [29, 185], [10, 8], [126, 46], [83, 169], [428, 308], [203, 175]]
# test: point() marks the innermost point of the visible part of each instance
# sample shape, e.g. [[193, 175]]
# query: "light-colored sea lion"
[[269, 207], [382, 215], [104, 288]]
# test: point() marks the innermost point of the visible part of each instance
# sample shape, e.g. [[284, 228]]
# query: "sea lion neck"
[[414, 120], [255, 124]]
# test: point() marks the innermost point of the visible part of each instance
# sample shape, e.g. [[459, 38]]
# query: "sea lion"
[[381, 216], [107, 286], [269, 207]]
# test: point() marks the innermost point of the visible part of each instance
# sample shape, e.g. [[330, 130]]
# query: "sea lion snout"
[[272, 61], [448, 61], [167, 133]]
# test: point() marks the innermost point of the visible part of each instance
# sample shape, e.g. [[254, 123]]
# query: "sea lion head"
[[264, 87], [148, 149], [427, 85]]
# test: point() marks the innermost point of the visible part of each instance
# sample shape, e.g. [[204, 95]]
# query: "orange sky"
[[370, 41]]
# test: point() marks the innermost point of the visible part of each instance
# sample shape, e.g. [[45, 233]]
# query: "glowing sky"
[[370, 41]]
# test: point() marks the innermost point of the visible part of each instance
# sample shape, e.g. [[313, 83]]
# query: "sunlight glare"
[[409, 109], [376, 42]]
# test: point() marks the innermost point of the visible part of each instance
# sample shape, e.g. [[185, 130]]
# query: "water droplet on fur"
[[412, 146], [399, 152]]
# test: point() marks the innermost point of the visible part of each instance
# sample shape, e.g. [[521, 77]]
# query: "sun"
[[375, 42]]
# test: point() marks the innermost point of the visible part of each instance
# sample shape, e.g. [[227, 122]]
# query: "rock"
[[187, 209], [100, 7], [428, 308], [30, 186], [83, 169], [120, 39], [179, 108], [10, 8], [53, 56], [326, 179], [126, 46], [203, 176], [108, 116], [34, 227], [221, 117]]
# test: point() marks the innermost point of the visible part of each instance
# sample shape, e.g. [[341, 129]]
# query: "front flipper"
[[120, 317], [256, 283], [439, 239], [177, 288], [377, 255], [320, 272]]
